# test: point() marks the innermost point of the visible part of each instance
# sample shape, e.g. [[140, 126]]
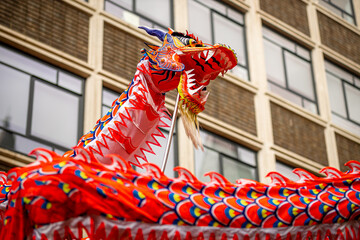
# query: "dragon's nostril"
[[204, 89]]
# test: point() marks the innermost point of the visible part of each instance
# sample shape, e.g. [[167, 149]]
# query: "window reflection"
[[344, 94], [14, 98], [40, 105], [155, 13], [50, 103], [342, 8], [289, 70], [225, 157], [286, 171]]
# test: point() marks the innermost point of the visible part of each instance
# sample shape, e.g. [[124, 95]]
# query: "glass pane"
[[349, 18], [219, 144], [199, 21], [337, 100], [357, 81], [278, 39], [343, 4], [206, 161], [274, 63], [285, 94], [236, 16], [104, 110], [230, 33], [25, 145], [299, 76], [331, 8], [114, 9], [215, 5], [234, 170], [156, 10], [240, 72], [247, 156], [55, 115], [70, 82], [18, 143], [286, 171], [14, 99], [7, 139], [128, 4], [340, 73], [346, 124], [310, 106], [108, 97], [28, 64], [353, 101], [303, 52]]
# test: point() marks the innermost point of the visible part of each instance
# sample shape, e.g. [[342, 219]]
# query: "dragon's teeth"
[[189, 71], [199, 55], [178, 52], [210, 54], [205, 53], [190, 75]]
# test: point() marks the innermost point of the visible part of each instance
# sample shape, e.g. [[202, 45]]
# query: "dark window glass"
[[342, 8], [215, 22], [40, 104], [344, 94], [289, 70], [230, 159], [155, 13]]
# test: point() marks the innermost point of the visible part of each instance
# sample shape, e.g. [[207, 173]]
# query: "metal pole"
[[171, 132]]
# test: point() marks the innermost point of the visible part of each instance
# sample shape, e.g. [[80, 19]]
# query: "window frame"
[[243, 25], [285, 69], [343, 83], [343, 12], [133, 10], [224, 155], [32, 78]]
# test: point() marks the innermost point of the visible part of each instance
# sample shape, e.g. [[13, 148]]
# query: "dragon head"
[[186, 63]]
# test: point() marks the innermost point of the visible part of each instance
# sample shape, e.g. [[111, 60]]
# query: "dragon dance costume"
[[93, 193]]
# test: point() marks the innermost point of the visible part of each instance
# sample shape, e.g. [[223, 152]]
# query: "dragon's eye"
[[192, 42]]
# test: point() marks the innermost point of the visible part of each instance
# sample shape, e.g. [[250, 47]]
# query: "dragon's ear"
[[154, 32]]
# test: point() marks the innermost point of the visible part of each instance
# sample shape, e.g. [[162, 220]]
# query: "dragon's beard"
[[190, 106]]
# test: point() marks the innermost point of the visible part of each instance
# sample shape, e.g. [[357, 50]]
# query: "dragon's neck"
[[131, 123]]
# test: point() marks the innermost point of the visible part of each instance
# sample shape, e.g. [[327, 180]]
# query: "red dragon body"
[[92, 192], [62, 198]]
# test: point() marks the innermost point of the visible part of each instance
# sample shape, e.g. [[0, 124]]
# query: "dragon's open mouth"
[[203, 64]]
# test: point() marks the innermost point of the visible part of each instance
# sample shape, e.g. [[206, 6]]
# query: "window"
[[289, 70], [230, 159], [214, 22], [108, 96], [40, 104], [342, 8], [155, 13], [344, 94], [286, 171]]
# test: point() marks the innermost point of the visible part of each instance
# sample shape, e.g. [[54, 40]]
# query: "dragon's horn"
[[154, 32]]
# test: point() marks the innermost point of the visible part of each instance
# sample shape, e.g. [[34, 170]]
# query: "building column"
[[321, 86], [257, 68]]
